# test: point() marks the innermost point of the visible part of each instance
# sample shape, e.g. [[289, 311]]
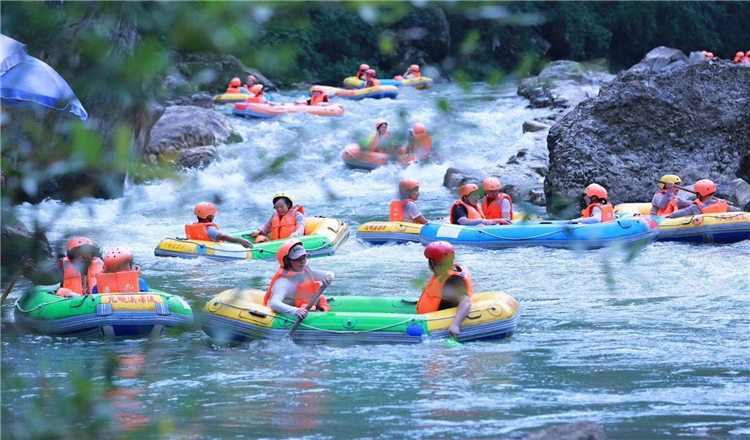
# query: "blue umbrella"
[[25, 80]]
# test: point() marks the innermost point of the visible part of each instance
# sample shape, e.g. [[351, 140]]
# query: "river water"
[[651, 344]]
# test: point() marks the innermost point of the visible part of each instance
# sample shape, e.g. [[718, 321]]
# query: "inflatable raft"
[[418, 83], [255, 110], [557, 234], [354, 157], [379, 92], [239, 315], [729, 227], [231, 98], [323, 237], [112, 314]]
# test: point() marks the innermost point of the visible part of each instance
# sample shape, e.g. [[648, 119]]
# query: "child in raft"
[[405, 209], [598, 210], [120, 275]]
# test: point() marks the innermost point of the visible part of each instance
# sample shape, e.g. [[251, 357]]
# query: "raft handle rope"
[[90, 295], [481, 231]]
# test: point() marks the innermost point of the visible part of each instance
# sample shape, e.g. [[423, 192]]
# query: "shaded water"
[[651, 344]]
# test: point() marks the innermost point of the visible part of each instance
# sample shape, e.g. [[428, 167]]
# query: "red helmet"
[[371, 72], [363, 67], [408, 185], [79, 241], [283, 251], [440, 252], [491, 184], [318, 89], [251, 78], [204, 209], [704, 187], [596, 190], [235, 82], [467, 189], [414, 68], [379, 123], [117, 257], [419, 128]]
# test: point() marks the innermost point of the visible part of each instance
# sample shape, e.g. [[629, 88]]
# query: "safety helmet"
[[204, 209], [408, 185], [283, 251], [256, 89], [738, 56], [704, 187], [467, 189], [709, 55], [79, 241], [414, 68], [491, 184], [596, 190], [748, 53], [371, 72], [419, 128], [116, 257], [440, 252], [318, 89], [235, 82], [363, 67], [278, 196], [379, 123], [251, 77], [669, 178]]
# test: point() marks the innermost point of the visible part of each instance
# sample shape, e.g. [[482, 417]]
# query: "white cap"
[[297, 251]]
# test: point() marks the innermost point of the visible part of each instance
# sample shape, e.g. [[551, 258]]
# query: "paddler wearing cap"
[[295, 283]]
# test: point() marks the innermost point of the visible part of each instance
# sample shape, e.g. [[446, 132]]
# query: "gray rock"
[[217, 71], [561, 84], [564, 70], [200, 99], [696, 58], [185, 128], [19, 241], [454, 178], [661, 59], [536, 197], [571, 431], [680, 122], [737, 191], [534, 126]]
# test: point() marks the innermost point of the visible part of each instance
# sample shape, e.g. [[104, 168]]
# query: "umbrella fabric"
[[25, 80]]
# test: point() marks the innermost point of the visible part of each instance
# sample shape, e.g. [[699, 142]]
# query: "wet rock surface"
[[663, 59], [571, 431], [562, 84]]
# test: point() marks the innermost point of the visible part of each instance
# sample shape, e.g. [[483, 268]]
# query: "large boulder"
[[188, 135], [215, 72], [561, 84], [690, 121], [661, 59], [570, 431]]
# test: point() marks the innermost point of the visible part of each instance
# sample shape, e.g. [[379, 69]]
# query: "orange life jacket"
[[473, 212], [199, 231], [308, 287], [372, 82], [322, 98], [671, 207], [126, 281], [72, 278], [397, 210], [361, 74], [247, 87], [608, 212], [494, 209], [256, 99], [284, 227], [375, 142], [422, 145], [712, 208], [432, 294], [234, 90]]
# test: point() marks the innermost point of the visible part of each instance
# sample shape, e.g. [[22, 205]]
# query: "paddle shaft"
[[310, 305], [686, 190], [13, 281]]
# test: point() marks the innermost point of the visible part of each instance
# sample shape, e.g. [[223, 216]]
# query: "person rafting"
[[450, 285], [258, 94], [371, 79], [319, 96], [287, 221], [746, 60], [597, 209], [496, 205], [738, 57], [235, 86], [706, 203], [120, 275], [405, 209], [362, 69], [380, 141], [205, 229], [249, 82], [295, 284], [665, 202], [466, 210], [76, 272], [412, 72], [420, 142]]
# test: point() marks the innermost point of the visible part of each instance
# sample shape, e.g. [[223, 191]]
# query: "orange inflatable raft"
[[266, 110], [354, 157]]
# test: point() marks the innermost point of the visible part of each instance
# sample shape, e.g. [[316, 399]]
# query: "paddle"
[[685, 189], [13, 281], [452, 342], [310, 305]]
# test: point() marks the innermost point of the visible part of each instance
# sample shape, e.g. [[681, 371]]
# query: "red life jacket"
[[375, 142], [284, 227], [608, 212], [126, 281], [199, 231], [256, 99], [322, 98], [72, 278], [494, 209], [472, 212], [308, 287], [671, 207], [372, 82], [397, 210], [422, 145], [712, 208], [432, 294]]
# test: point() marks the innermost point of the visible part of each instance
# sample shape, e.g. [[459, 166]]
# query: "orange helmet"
[[440, 252], [371, 72], [235, 82], [738, 57], [596, 190], [419, 128], [204, 209], [117, 257], [379, 123], [256, 89], [709, 55], [283, 251], [79, 241], [704, 187], [408, 185], [251, 78], [318, 89], [748, 53], [363, 67], [414, 68], [467, 189], [491, 184]]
